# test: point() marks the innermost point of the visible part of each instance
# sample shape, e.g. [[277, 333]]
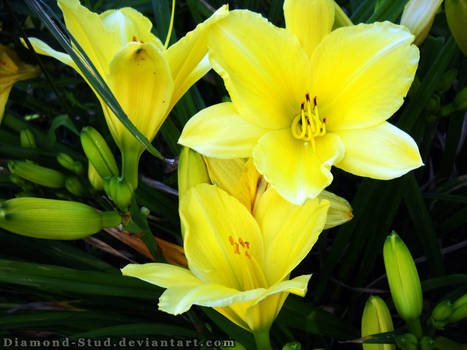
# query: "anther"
[[247, 255], [237, 249], [134, 38], [231, 240]]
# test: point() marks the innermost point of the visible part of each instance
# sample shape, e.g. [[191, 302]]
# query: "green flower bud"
[[440, 313], [427, 343], [403, 279], [98, 152], [459, 310], [446, 81], [456, 15], [27, 139], [94, 178], [191, 170], [74, 186], [407, 341], [119, 191], [37, 174], [376, 319], [460, 101], [18, 181], [292, 346], [69, 163], [434, 104], [54, 219]]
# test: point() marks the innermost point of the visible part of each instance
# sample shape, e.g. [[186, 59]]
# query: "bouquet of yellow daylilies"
[[248, 167]]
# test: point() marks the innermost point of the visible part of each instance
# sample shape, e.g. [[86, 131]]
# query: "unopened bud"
[[119, 191], [456, 15], [27, 139], [460, 101], [191, 170], [74, 186], [427, 343], [98, 152], [418, 16], [459, 310], [69, 163], [37, 174], [94, 178], [446, 81], [292, 346], [376, 319], [440, 314], [18, 181], [54, 219], [407, 341], [403, 278]]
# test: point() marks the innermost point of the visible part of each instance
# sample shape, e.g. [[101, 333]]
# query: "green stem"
[[262, 340], [130, 161], [415, 327]]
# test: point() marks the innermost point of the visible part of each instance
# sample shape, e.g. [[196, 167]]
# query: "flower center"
[[308, 124], [240, 246]]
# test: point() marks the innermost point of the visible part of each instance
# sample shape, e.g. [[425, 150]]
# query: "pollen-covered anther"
[[240, 247], [308, 124]]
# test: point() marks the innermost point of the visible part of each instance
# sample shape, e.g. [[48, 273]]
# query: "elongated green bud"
[[191, 170], [407, 341], [37, 174], [441, 313], [427, 343], [119, 191], [403, 279], [94, 178], [376, 319], [98, 152], [446, 81], [292, 346], [27, 139], [69, 163], [75, 187], [18, 181], [459, 310], [54, 219], [456, 15]]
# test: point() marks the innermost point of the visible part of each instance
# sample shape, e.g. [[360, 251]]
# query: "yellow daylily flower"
[[418, 16], [146, 78], [305, 98], [238, 264], [12, 69]]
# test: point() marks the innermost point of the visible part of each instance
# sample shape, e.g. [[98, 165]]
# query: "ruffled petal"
[[362, 73], [264, 68], [309, 20], [380, 152], [219, 131], [293, 167]]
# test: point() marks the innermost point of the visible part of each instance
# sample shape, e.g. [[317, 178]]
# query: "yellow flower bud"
[[418, 16], [54, 219], [37, 174], [456, 15], [69, 163], [27, 139], [191, 170], [376, 319], [94, 178], [119, 191], [403, 279], [98, 152]]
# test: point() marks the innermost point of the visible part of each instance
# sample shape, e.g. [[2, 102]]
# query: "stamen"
[[307, 124], [240, 247], [134, 38], [169, 32]]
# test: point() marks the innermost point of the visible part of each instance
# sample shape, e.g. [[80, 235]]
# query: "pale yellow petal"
[[309, 20], [380, 152], [264, 68], [88, 30], [223, 244], [43, 49], [219, 131], [418, 16], [4, 93], [289, 231], [162, 275], [362, 73], [293, 167], [129, 25], [179, 298], [186, 54], [339, 211], [141, 81]]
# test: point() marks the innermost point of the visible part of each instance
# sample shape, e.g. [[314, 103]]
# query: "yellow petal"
[[264, 68], [223, 244], [186, 54], [309, 20], [293, 168], [238, 177], [179, 298], [43, 49], [4, 93], [141, 81], [129, 25], [87, 28], [218, 131], [289, 231], [162, 275], [362, 73], [380, 152], [339, 211]]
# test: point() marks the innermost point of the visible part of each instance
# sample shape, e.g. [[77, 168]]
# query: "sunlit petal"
[[43, 49], [162, 275]]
